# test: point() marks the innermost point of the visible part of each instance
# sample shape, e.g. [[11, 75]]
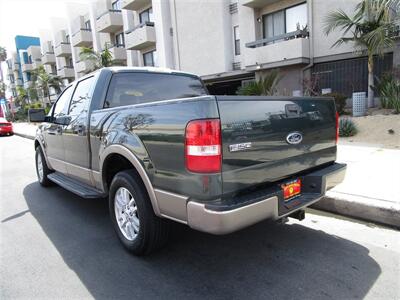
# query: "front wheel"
[[132, 215], [42, 170]]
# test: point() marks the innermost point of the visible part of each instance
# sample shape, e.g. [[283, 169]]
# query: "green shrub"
[[347, 127], [388, 88], [340, 101]]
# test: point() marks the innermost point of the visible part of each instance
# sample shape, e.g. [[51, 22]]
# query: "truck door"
[[76, 133], [53, 132]]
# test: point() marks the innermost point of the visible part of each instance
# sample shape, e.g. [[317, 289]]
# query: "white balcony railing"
[[118, 53], [109, 21], [82, 38], [48, 58], [290, 48], [84, 66], [62, 50], [66, 72], [140, 37], [135, 4]]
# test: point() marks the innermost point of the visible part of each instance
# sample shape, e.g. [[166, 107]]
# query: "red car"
[[6, 127]]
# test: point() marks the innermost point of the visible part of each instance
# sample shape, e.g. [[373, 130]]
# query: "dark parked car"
[[161, 149]]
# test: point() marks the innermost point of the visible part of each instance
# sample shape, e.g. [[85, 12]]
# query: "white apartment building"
[[226, 42]]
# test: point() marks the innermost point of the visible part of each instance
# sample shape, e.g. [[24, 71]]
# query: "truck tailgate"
[[266, 139]]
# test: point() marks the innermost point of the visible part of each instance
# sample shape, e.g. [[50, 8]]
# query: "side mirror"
[[63, 120], [36, 115]]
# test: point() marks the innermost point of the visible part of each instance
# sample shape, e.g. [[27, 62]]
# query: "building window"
[[29, 59], [119, 40], [150, 58], [146, 15], [12, 80], [285, 21], [236, 37], [87, 25], [116, 5], [70, 63], [67, 38], [14, 92]]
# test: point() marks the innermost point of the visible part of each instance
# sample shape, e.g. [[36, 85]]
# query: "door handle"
[[79, 130], [57, 131]]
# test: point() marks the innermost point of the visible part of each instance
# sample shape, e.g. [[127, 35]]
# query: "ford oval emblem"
[[294, 138]]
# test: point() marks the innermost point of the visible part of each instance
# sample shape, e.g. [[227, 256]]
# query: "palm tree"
[[266, 86], [99, 59], [45, 81], [371, 30], [3, 57]]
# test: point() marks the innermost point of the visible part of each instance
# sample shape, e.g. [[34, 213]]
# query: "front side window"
[[81, 98], [61, 106], [116, 5], [146, 16], [142, 87], [120, 40], [150, 58]]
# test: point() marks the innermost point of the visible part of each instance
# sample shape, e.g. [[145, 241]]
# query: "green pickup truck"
[[161, 148]]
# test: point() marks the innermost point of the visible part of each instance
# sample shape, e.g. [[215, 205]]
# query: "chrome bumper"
[[201, 218]]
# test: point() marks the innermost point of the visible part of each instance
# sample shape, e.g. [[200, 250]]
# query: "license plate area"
[[291, 189]]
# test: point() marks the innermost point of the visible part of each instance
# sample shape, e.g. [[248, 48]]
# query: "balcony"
[[18, 82], [118, 53], [140, 37], [11, 85], [66, 72], [26, 67], [135, 4], [36, 63], [16, 66], [48, 58], [82, 38], [63, 50], [109, 21], [287, 49], [258, 3], [84, 66]]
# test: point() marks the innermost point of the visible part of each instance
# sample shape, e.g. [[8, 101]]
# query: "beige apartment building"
[[226, 42]]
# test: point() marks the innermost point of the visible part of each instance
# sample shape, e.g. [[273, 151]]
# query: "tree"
[[45, 81], [99, 59], [266, 86], [371, 30]]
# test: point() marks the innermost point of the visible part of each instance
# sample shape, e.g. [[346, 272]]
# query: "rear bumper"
[[272, 206]]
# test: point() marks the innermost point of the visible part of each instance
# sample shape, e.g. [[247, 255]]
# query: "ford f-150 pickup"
[[161, 148]]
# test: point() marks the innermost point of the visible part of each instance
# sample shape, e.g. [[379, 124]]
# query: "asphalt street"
[[56, 245]]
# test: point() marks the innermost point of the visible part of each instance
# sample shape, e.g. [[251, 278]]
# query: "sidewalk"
[[26, 130], [370, 191]]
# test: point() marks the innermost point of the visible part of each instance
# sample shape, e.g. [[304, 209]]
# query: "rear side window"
[[61, 106], [81, 97], [136, 88]]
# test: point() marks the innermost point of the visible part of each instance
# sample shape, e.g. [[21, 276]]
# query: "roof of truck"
[[148, 69]]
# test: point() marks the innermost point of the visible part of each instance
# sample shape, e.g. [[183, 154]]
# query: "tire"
[[42, 178], [152, 232]]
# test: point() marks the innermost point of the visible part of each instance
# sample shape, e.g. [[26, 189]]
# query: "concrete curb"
[[24, 135], [358, 207]]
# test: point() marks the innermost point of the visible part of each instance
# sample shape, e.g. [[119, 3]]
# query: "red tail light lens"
[[337, 127], [203, 146]]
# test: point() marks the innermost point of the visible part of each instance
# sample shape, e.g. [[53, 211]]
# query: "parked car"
[[161, 148], [6, 128]]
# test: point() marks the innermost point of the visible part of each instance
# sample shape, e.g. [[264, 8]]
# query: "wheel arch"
[[115, 152]]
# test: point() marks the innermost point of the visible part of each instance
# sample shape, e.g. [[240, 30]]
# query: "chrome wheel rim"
[[40, 167], [126, 214]]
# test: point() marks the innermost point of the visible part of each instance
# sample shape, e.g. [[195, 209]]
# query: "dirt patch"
[[379, 128]]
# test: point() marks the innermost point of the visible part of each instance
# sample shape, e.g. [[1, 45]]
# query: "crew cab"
[[161, 148]]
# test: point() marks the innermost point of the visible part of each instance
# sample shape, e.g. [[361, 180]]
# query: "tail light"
[[203, 146], [337, 127]]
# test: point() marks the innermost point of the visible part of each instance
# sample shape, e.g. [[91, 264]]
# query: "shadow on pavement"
[[264, 261]]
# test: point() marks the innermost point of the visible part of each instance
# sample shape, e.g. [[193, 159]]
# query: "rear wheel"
[[42, 170], [131, 212]]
